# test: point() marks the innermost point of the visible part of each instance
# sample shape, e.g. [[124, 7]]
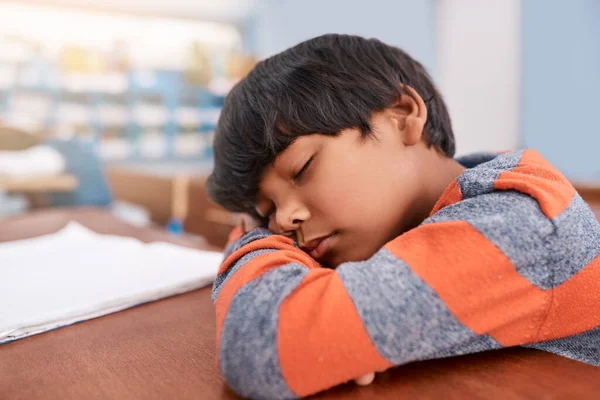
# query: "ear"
[[410, 115]]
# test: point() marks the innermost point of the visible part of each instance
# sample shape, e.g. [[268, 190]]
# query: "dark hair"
[[323, 85]]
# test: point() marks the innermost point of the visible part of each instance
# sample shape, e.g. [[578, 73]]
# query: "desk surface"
[[166, 350]]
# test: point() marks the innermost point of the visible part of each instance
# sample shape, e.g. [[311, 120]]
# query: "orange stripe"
[[321, 339], [450, 196], [482, 289], [276, 242], [575, 304], [476, 281], [539, 179], [253, 269]]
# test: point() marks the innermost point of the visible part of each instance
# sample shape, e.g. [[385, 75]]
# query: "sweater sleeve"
[[467, 280]]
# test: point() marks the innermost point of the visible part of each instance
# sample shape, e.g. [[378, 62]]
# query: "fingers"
[[366, 379], [250, 223], [246, 223], [243, 224]]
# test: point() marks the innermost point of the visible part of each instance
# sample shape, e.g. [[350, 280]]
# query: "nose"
[[290, 216]]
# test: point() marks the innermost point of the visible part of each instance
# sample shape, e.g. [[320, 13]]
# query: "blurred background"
[[113, 103]]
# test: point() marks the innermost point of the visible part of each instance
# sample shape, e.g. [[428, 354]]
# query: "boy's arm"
[[287, 327]]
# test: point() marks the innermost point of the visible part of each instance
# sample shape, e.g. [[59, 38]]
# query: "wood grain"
[[166, 350]]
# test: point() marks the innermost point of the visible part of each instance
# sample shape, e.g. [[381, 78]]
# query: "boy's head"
[[337, 137]]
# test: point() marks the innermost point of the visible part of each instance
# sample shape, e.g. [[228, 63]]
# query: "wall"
[[407, 24], [479, 70], [561, 84]]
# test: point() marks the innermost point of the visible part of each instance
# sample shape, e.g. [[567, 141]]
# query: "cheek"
[[346, 196], [368, 201]]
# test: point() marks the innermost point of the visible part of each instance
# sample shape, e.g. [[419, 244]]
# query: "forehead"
[[298, 148]]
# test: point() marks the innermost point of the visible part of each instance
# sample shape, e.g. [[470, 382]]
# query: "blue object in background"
[[83, 162], [175, 227], [561, 84]]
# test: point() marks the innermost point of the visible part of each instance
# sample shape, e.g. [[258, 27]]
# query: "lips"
[[310, 246], [317, 247]]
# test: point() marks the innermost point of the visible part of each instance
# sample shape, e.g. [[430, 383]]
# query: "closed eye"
[[298, 176]]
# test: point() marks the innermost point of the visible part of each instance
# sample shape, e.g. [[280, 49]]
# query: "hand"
[[365, 380], [246, 223]]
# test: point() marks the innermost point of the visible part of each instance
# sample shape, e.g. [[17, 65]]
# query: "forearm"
[[287, 327]]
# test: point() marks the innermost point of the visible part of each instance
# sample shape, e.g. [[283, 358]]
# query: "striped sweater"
[[510, 256]]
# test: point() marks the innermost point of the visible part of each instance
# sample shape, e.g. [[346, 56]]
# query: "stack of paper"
[[76, 274]]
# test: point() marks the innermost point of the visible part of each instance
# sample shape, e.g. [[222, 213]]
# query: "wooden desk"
[[596, 209], [58, 183], [166, 350]]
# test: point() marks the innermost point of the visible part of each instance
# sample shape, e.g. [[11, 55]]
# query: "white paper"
[[76, 274]]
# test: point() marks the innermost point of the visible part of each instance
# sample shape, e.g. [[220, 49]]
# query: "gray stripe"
[[584, 347], [480, 180], [222, 278], [229, 249], [576, 242], [404, 317], [248, 355], [546, 252]]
